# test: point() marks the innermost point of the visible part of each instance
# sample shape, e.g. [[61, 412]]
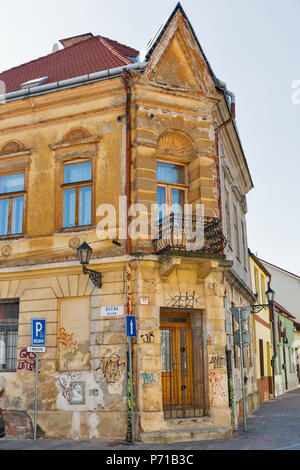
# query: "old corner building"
[[79, 128]]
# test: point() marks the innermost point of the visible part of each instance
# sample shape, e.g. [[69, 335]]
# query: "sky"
[[253, 46]]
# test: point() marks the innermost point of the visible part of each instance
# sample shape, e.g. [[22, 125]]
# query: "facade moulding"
[[167, 89], [232, 140], [190, 114], [73, 143], [61, 120], [71, 267]]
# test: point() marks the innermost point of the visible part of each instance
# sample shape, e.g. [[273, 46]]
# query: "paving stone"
[[274, 426]]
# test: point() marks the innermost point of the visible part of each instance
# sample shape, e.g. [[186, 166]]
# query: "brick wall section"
[[18, 424]]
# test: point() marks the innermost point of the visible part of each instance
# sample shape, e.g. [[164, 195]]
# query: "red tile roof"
[[88, 56]]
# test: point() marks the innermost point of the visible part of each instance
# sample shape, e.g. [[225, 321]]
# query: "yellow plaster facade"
[[174, 110], [262, 329]]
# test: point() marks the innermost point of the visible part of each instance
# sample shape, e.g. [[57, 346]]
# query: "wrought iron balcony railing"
[[189, 233]]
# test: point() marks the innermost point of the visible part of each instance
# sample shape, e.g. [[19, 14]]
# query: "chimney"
[[75, 39]]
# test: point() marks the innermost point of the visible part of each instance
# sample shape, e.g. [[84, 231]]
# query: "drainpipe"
[[125, 76], [275, 352], [217, 130], [130, 413]]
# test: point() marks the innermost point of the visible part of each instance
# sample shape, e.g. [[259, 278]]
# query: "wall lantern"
[[84, 255], [270, 294]]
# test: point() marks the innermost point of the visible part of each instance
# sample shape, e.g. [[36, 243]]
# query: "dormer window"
[[34, 82]]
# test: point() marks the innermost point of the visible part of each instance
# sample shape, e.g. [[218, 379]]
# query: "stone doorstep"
[[185, 435], [176, 424]]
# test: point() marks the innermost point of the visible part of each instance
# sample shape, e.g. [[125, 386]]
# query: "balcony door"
[[171, 188]]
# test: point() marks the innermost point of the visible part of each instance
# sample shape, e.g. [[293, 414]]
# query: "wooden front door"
[[177, 365]]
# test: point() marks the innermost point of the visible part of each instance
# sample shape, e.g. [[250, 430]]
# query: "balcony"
[[189, 233]]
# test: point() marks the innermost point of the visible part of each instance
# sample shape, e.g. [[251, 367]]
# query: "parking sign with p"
[[38, 332]]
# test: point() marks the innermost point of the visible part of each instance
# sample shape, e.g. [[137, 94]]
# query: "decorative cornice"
[[86, 140]]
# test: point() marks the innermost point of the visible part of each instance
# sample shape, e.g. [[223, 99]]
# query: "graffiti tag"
[[217, 362], [148, 337], [26, 364], [112, 368], [67, 340], [150, 378], [62, 385], [217, 388]]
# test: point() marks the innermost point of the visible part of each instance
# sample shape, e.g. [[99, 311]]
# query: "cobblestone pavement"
[[274, 426]]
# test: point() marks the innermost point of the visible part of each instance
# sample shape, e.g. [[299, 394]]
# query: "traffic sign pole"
[[131, 389], [131, 333], [36, 393], [38, 343], [242, 371]]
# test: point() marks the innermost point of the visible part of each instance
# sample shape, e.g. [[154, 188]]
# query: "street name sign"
[[112, 311], [36, 349]]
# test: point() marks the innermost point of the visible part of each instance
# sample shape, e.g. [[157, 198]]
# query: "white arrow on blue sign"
[[38, 332], [131, 327]]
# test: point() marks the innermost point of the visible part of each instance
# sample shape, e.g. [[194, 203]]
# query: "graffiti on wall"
[[62, 385], [151, 378], [218, 389], [183, 300], [210, 339], [67, 340], [112, 368], [217, 362], [27, 360], [148, 337], [128, 283]]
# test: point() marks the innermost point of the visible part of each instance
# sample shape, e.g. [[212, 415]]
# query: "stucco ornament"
[[6, 250]]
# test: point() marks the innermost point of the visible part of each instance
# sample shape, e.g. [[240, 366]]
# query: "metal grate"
[[184, 392], [9, 318]]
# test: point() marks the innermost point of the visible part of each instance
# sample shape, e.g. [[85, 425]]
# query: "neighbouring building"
[[286, 286], [297, 348], [285, 364], [263, 329], [96, 127]]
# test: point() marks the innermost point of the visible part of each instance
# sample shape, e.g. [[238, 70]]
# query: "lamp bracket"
[[256, 308], [94, 276]]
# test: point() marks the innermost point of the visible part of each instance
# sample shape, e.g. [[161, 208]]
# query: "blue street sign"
[[131, 327], [38, 332]]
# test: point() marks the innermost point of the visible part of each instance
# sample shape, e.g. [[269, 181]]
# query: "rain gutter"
[[69, 83]]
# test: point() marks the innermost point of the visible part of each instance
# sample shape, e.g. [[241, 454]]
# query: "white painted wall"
[[287, 289], [230, 183]]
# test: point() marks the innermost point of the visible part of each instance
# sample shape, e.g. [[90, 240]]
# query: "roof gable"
[[175, 57]]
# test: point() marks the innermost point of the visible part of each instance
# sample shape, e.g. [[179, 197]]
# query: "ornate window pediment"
[[176, 144], [11, 147]]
